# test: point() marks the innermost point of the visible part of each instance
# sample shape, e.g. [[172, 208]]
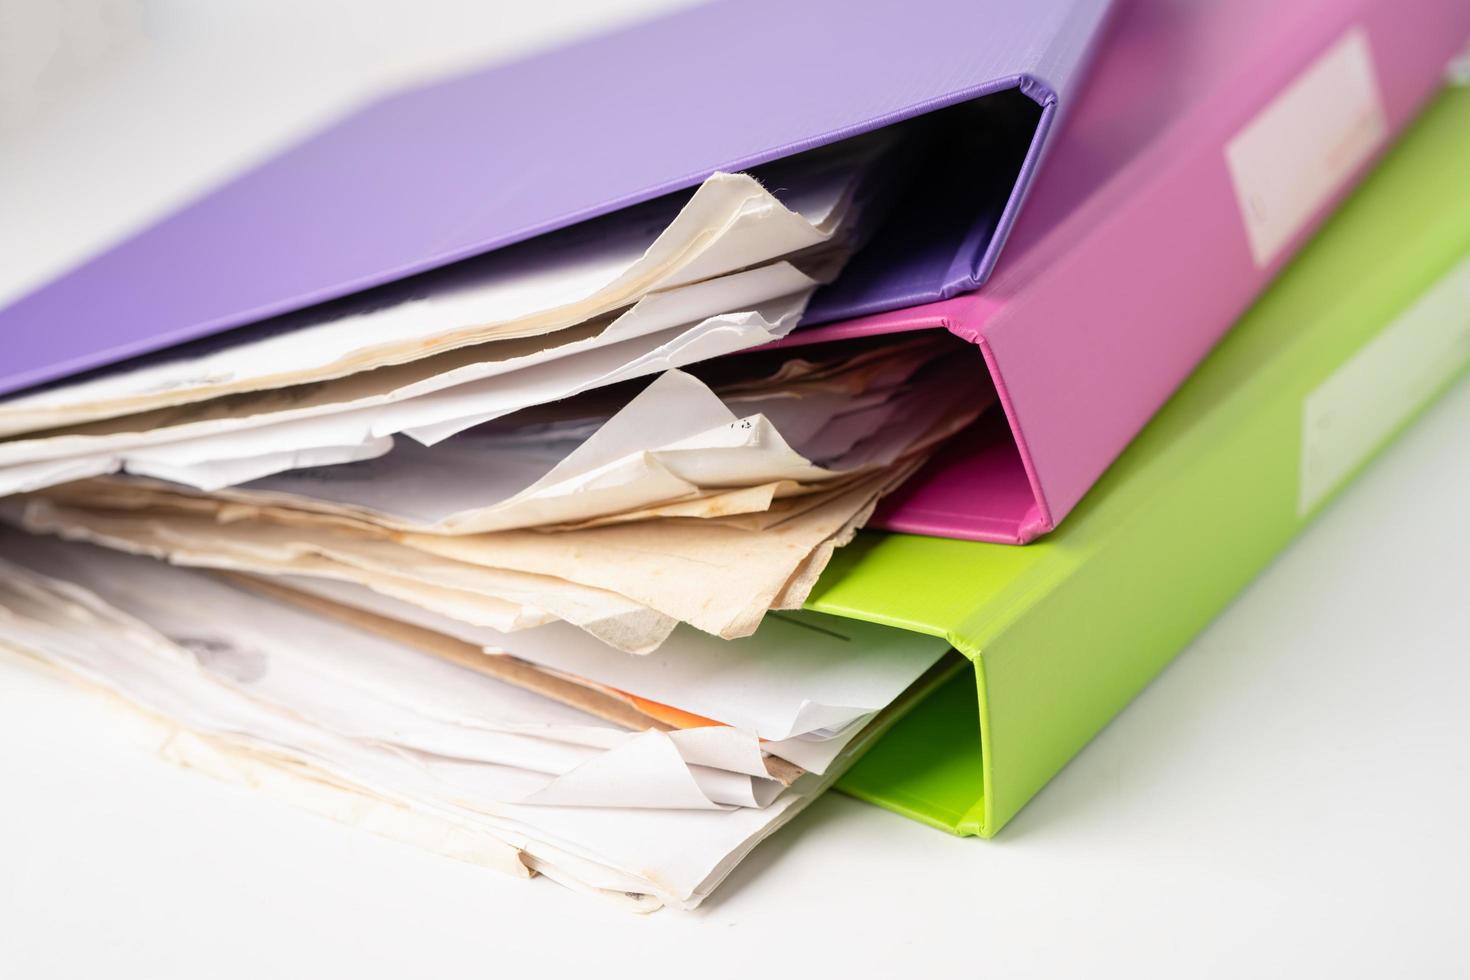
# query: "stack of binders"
[[578, 466]]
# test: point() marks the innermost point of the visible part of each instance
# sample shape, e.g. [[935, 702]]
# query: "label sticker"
[[1369, 396], [1458, 73], [1297, 151]]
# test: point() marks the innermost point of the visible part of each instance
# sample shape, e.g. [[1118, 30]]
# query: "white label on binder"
[[1458, 72], [1375, 391], [1296, 152]]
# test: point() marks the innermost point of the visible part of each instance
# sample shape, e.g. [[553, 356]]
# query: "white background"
[[1289, 798]]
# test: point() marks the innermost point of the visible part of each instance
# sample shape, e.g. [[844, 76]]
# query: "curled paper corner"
[[647, 771], [815, 720]]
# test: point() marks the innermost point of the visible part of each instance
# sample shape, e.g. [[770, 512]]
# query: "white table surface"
[[1289, 798]]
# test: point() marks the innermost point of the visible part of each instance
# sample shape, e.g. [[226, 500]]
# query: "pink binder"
[[1165, 208]]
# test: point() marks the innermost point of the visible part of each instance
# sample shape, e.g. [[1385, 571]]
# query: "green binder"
[[1368, 325]]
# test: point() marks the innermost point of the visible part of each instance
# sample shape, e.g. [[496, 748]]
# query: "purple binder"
[[435, 174]]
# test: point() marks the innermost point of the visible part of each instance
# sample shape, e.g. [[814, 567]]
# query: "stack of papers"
[[437, 735], [506, 559], [674, 509]]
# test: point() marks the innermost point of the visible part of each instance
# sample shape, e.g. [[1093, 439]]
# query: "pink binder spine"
[[1076, 397], [1112, 293]]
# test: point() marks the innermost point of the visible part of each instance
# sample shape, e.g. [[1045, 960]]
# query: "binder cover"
[[1210, 141], [1369, 324], [440, 173]]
